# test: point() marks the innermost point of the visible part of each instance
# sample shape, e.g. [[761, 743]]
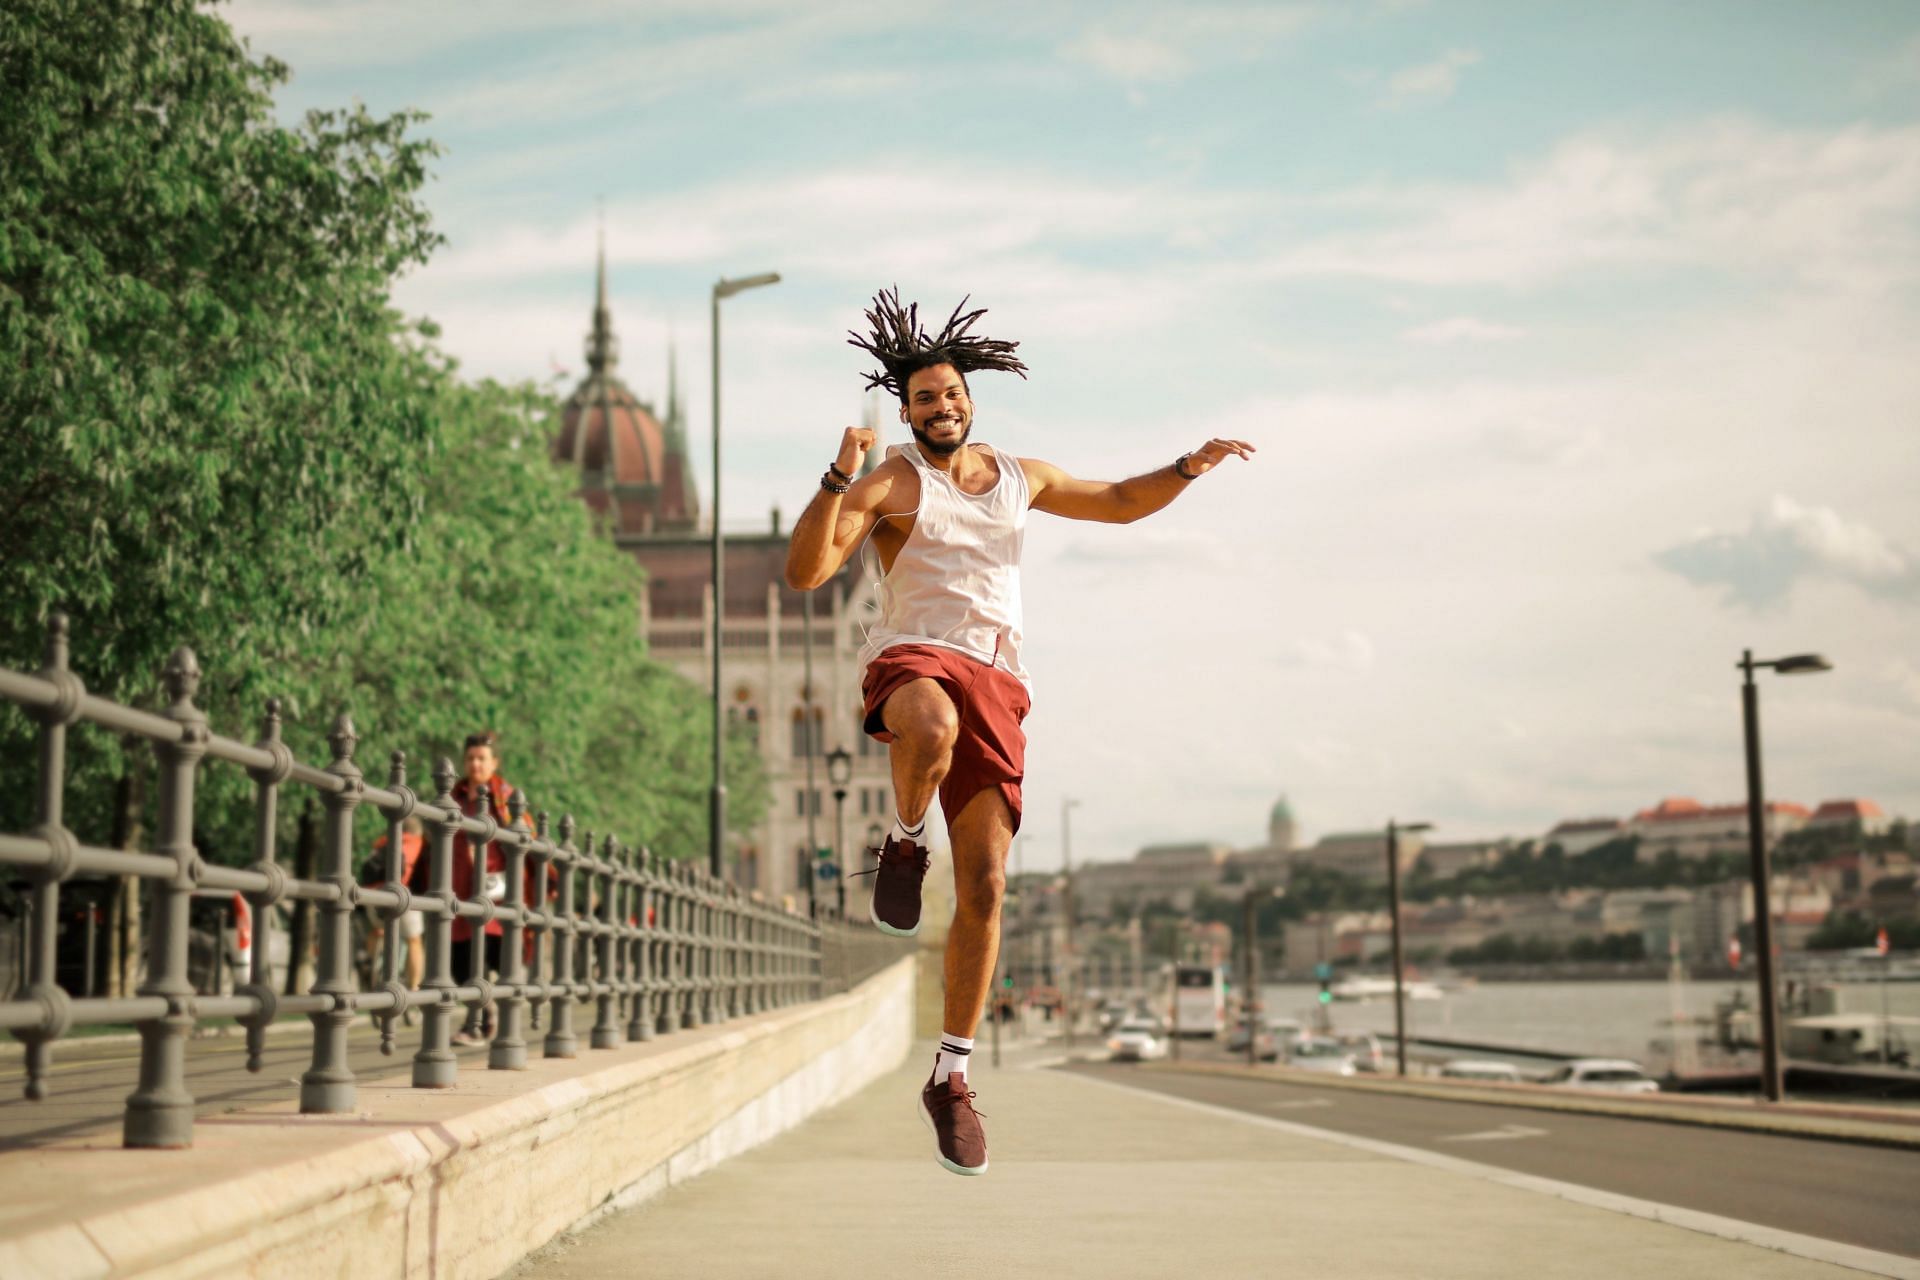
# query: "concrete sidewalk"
[[1093, 1180]]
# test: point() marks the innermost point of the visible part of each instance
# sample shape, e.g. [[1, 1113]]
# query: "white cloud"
[[1835, 209], [1156, 46], [1904, 677], [1348, 651], [1430, 81], [1145, 545], [1461, 329], [1787, 543]]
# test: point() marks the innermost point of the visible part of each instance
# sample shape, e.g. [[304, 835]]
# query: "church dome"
[[1282, 812], [632, 469]]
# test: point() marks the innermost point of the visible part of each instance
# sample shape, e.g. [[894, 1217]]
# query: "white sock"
[[954, 1051], [916, 833]]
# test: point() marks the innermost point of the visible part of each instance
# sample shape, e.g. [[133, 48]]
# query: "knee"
[[930, 725], [979, 890]]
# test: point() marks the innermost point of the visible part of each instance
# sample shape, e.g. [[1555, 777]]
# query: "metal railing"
[[650, 946]]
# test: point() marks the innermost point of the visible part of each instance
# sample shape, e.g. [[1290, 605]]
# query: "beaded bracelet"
[[832, 485]]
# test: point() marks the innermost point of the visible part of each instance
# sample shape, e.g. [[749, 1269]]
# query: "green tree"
[[208, 400]]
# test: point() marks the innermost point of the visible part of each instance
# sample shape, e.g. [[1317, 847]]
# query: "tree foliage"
[[217, 431]]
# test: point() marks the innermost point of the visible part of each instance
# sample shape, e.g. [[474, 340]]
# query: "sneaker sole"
[[886, 928], [920, 1109]]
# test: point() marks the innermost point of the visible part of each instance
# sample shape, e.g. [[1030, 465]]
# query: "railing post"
[[666, 973], [709, 954], [509, 1049], [266, 797], [689, 957], [541, 876], [327, 1087], [394, 947], [561, 1042], [639, 971], [606, 1032], [160, 1110], [435, 1066], [43, 950], [476, 978]]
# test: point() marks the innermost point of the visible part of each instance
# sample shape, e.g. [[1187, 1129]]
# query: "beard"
[[943, 450]]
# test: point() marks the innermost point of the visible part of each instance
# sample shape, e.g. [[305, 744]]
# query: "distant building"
[[1844, 815], [1693, 830], [1360, 854], [1445, 860], [1579, 835], [634, 472], [1170, 873]]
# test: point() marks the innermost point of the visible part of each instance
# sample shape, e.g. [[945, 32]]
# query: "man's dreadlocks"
[[903, 347]]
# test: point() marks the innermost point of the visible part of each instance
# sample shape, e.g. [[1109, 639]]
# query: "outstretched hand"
[[1214, 452]]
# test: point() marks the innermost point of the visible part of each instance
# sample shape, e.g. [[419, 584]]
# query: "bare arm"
[[834, 523], [1123, 501]]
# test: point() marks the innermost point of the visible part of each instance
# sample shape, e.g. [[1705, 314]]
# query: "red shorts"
[[991, 750]]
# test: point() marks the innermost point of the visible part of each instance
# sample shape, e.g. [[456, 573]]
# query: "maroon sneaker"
[[948, 1107], [895, 905]]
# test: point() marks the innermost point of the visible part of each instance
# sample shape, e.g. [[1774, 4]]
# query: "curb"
[[1864, 1126]]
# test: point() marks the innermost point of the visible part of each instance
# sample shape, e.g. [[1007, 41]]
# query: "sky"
[[1578, 342]]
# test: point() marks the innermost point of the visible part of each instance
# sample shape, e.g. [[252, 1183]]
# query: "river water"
[[1600, 1019]]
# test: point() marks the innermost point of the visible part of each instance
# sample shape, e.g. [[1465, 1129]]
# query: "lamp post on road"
[[1399, 972], [1252, 1001], [717, 818], [1072, 961], [1772, 1083], [839, 772]]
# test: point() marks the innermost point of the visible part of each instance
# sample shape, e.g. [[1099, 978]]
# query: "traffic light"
[[1007, 982], [1326, 996]]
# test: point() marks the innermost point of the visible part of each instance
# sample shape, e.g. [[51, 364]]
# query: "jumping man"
[[944, 686]]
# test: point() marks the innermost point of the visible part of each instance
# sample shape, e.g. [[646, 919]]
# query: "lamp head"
[[727, 288], [839, 766], [1802, 664]]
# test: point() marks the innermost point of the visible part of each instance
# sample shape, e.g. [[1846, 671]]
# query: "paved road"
[[90, 1080], [1856, 1194]]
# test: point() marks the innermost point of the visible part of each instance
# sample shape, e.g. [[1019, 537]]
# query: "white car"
[[1613, 1075], [1135, 1041], [1365, 1048], [1474, 1069], [1322, 1054]]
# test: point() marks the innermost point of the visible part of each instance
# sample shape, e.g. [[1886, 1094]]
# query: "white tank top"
[[956, 582]]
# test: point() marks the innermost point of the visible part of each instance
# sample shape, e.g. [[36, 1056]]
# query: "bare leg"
[[924, 726], [982, 835], [416, 961]]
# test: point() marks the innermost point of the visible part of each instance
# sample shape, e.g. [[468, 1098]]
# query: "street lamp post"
[[1252, 1000], [840, 772], [1399, 971], [1070, 967], [1772, 1082], [717, 818]]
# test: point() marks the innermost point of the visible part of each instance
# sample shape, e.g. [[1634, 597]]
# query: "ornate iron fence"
[[643, 945]]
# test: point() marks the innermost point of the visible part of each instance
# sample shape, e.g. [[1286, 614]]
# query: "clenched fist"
[[854, 446]]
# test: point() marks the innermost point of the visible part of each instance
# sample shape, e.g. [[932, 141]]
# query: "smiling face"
[[938, 410]]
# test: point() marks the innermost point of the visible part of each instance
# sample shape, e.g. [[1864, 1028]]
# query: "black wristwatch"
[[1180, 467]]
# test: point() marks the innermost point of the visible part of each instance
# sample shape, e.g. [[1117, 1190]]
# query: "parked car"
[[1267, 1048], [1323, 1054], [1614, 1075], [1135, 1040], [1475, 1069], [1365, 1048]]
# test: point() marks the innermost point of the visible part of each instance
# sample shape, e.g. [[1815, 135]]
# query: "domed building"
[[1281, 833], [635, 471]]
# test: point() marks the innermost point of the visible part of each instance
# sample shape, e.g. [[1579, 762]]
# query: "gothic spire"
[[603, 349]]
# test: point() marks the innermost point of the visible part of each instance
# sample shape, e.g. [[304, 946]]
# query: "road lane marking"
[[1297, 1105], [1503, 1133], [1813, 1248]]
